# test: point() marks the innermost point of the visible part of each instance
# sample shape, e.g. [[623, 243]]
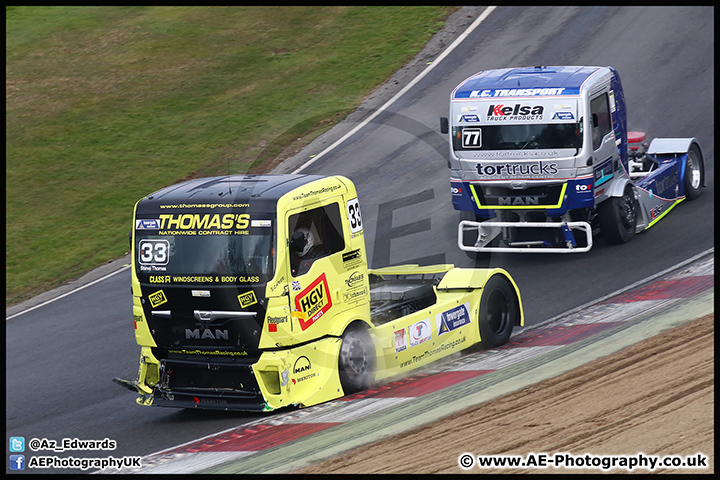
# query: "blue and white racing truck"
[[541, 160]]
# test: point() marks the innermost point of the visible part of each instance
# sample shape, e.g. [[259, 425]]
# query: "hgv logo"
[[313, 302]]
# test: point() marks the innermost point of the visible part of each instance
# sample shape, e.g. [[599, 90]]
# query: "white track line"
[[70, 292], [402, 92]]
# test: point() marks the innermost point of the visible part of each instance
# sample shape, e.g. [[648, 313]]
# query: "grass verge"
[[107, 104]]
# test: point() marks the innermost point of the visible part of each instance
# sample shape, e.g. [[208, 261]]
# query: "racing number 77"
[[471, 137]]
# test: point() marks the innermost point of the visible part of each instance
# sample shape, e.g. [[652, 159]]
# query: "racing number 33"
[[353, 209]]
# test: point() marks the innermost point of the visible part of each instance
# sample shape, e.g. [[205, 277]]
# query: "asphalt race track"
[[61, 357]]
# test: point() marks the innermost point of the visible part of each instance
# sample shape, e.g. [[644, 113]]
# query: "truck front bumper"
[[303, 375]]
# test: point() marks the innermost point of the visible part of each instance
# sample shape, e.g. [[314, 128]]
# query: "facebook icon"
[[17, 462]]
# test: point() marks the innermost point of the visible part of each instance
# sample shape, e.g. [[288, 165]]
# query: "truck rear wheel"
[[357, 360], [498, 312], [618, 217], [694, 173]]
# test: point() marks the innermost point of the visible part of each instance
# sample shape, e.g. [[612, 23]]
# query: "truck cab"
[[217, 281], [252, 292], [537, 151]]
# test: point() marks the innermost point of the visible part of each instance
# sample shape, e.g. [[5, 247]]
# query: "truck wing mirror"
[[444, 125]]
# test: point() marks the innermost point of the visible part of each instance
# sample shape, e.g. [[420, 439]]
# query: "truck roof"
[[262, 191], [526, 81]]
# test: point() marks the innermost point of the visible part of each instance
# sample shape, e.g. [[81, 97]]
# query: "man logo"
[[207, 334], [526, 200], [302, 364]]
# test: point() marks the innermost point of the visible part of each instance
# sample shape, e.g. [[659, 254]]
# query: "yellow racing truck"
[[252, 292]]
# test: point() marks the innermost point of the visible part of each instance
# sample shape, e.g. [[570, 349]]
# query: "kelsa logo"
[[313, 302], [517, 109]]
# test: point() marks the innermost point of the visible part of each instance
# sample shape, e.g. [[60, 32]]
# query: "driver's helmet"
[[309, 241]]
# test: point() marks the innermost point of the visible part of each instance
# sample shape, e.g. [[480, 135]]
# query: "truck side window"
[[600, 119], [315, 234]]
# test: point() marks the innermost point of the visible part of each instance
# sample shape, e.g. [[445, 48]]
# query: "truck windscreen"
[[206, 256], [518, 137]]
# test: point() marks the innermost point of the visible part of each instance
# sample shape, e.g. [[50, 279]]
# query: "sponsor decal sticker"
[[260, 223], [273, 323], [351, 259], [302, 366], [354, 295], [518, 111], [468, 119], [656, 211], [246, 299], [453, 318], [296, 286], [603, 172], [200, 293], [542, 169], [313, 302], [147, 224], [157, 298], [204, 224], [584, 188], [400, 340], [419, 332], [355, 280]]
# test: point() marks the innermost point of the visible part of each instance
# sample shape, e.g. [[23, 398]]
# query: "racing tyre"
[[618, 217], [499, 311], [694, 173], [357, 360]]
